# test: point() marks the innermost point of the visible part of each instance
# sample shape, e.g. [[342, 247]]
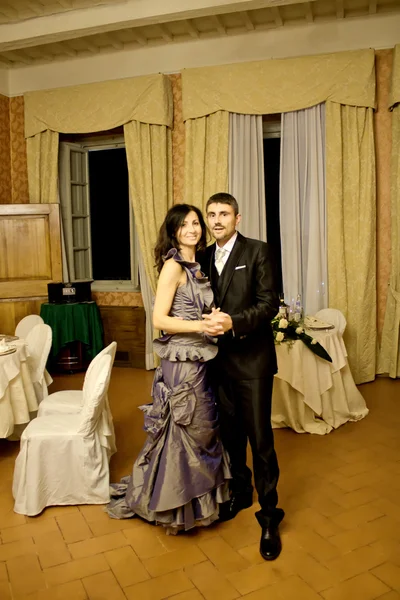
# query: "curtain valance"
[[395, 89], [100, 106], [280, 85]]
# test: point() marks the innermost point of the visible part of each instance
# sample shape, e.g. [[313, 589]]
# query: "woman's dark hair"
[[168, 230]]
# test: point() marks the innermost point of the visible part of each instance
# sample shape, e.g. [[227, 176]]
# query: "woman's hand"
[[211, 327], [216, 317]]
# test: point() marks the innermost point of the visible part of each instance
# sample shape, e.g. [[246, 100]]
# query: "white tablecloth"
[[312, 395], [17, 394]]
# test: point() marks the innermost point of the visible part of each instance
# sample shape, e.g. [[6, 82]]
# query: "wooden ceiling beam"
[[372, 8], [309, 12], [165, 33], [66, 3], [339, 9], [18, 57], [35, 8], [90, 46], [8, 11], [277, 16], [113, 41], [6, 61], [219, 24], [191, 28], [139, 38], [247, 21]]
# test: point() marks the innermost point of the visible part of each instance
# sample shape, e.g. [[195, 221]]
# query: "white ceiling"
[[12, 11], [47, 31]]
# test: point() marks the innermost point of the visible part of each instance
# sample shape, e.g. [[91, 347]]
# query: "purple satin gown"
[[182, 472]]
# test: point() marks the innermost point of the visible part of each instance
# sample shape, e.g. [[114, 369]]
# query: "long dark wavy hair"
[[168, 230]]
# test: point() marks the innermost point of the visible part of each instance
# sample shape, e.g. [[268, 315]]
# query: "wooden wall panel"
[[126, 326], [30, 249], [11, 312], [24, 248]]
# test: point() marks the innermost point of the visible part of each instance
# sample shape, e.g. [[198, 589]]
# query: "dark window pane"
[[109, 210], [272, 154]]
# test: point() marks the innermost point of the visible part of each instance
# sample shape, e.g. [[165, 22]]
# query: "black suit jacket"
[[246, 290]]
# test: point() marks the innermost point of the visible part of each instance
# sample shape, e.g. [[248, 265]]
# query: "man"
[[241, 272]]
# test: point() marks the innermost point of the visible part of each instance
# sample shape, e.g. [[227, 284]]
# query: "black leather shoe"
[[229, 510], [270, 544]]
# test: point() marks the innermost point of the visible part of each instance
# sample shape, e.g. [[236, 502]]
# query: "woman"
[[181, 473]]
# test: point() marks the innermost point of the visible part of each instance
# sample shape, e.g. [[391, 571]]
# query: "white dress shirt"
[[228, 248]]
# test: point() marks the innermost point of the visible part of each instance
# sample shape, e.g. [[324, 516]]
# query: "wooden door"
[[30, 258]]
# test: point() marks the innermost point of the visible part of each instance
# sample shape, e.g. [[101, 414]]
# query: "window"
[[97, 215], [272, 151]]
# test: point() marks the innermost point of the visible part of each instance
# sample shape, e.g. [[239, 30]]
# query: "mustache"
[[217, 225]]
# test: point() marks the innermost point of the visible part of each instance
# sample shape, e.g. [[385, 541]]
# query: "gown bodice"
[[191, 300]]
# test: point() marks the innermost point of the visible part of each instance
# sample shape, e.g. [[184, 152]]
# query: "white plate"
[[9, 350]]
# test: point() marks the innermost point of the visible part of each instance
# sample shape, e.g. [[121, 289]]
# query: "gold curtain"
[[389, 357], [99, 106], [149, 156], [280, 85], [351, 216], [42, 157], [206, 157]]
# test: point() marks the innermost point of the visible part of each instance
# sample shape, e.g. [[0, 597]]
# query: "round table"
[[311, 394], [17, 394], [74, 322]]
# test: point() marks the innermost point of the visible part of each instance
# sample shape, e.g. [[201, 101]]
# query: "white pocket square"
[[241, 267]]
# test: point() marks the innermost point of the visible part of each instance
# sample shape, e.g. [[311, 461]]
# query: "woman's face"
[[189, 233]]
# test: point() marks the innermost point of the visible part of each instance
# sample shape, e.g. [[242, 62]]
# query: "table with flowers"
[[314, 390]]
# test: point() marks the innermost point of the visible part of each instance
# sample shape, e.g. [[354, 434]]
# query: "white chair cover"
[[62, 460], [72, 401], [27, 324], [333, 316], [39, 341]]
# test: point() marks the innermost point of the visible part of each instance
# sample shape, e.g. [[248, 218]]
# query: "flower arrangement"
[[290, 331]]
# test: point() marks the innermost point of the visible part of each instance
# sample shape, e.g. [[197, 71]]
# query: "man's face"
[[222, 221]]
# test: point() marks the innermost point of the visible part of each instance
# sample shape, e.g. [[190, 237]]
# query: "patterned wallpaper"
[[5, 168], [19, 173], [178, 139], [118, 298], [383, 145]]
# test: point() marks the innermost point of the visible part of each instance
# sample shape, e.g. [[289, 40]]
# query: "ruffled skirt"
[[182, 472]]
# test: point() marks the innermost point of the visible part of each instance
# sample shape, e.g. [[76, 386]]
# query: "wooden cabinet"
[[126, 326], [30, 258]]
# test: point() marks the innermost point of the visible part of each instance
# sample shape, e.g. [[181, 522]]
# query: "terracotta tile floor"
[[341, 535]]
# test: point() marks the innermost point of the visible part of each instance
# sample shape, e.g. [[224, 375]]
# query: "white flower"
[[299, 330], [283, 324], [313, 342], [280, 336]]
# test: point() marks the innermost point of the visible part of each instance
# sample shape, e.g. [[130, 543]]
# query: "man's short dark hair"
[[224, 198]]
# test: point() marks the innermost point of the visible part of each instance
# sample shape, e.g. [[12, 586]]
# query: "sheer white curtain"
[[303, 208], [246, 173]]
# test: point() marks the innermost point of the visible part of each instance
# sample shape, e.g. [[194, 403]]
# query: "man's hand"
[[221, 318]]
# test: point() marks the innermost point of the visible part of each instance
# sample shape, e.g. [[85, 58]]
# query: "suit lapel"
[[211, 270], [230, 266]]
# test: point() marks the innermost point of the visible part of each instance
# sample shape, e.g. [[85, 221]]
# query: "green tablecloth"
[[80, 321]]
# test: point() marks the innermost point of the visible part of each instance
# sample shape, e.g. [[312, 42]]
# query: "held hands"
[[217, 322]]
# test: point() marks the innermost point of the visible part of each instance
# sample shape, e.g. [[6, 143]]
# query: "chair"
[[39, 341], [71, 401], [62, 460], [27, 324], [333, 316]]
